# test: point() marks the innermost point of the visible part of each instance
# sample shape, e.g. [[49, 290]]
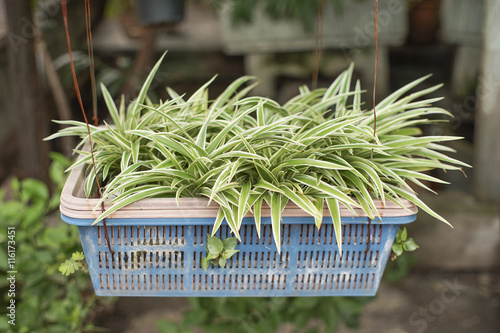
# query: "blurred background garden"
[[450, 284]]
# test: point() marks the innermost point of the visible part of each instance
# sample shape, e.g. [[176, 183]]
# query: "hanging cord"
[[375, 21], [317, 57], [79, 97], [90, 50], [318, 44]]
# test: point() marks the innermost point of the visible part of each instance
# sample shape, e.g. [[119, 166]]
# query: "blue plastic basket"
[[162, 257], [159, 245]]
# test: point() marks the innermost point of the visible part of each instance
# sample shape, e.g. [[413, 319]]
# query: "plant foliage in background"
[[402, 243], [218, 251], [46, 301], [396, 270], [318, 150], [112, 74], [264, 315], [303, 10], [73, 264]]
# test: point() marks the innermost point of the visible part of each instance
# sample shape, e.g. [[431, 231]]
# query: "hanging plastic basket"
[[348, 28], [158, 247]]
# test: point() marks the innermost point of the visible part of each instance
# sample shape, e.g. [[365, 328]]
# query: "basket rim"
[[76, 206]]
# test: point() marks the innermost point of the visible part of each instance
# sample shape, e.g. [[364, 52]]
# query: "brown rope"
[[64, 7], [375, 21], [318, 44], [90, 50]]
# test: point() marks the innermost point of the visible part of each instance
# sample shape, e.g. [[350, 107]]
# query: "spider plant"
[[243, 152]]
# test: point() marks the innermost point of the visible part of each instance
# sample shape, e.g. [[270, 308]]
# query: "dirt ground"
[[430, 302]]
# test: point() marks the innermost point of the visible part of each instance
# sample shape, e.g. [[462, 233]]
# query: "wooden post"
[[487, 131], [26, 96]]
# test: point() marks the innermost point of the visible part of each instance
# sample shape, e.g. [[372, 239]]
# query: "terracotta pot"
[[424, 22]]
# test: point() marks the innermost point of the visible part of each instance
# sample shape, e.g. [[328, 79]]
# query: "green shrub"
[[45, 300], [266, 314]]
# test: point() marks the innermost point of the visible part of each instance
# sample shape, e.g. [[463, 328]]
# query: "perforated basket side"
[[165, 260]]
